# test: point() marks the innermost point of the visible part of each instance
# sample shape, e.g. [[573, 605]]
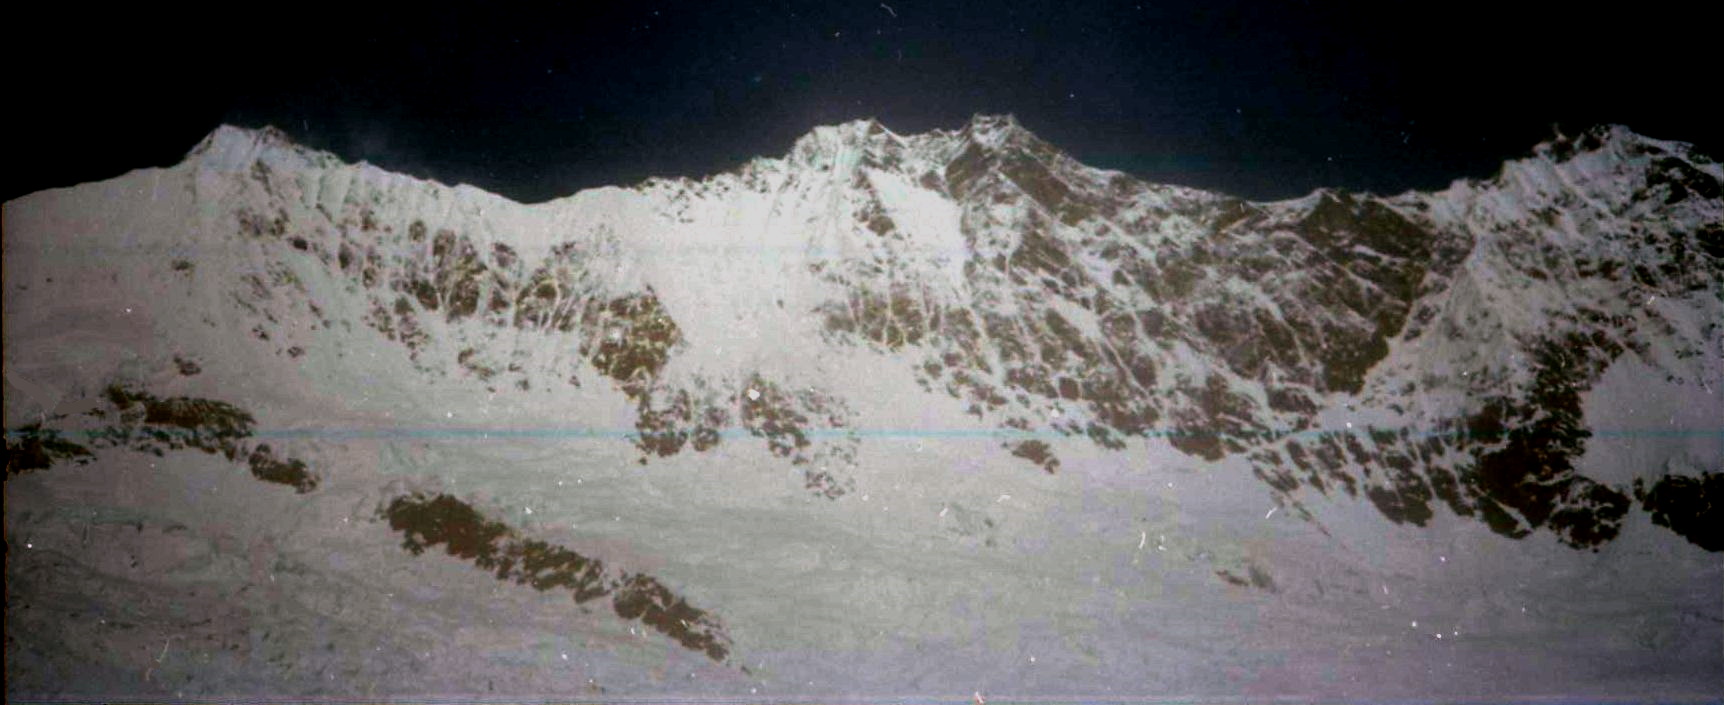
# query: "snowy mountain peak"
[[998, 131], [909, 376], [984, 270], [1616, 159], [868, 143], [843, 146], [1619, 140], [230, 147]]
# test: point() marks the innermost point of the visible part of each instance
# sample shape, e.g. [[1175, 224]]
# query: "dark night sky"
[[1265, 100]]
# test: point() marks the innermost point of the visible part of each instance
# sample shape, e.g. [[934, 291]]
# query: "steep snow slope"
[[923, 414]]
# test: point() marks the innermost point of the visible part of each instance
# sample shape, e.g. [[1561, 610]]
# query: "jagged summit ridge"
[[232, 146]]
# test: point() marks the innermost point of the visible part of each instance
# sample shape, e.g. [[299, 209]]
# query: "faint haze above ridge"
[[1261, 101]]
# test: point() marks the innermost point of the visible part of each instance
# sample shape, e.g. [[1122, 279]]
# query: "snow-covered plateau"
[[947, 416]]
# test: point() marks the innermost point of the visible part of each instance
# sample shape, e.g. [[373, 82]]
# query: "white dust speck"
[[1271, 512], [753, 394]]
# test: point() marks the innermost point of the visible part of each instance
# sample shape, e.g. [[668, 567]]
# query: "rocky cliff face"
[[1422, 351], [885, 409]]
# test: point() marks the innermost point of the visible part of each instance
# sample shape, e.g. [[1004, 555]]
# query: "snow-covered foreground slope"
[[928, 415]]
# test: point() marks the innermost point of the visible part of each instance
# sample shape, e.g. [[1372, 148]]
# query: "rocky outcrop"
[[427, 521]]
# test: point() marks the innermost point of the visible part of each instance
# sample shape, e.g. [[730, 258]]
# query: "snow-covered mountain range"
[[1527, 365]]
